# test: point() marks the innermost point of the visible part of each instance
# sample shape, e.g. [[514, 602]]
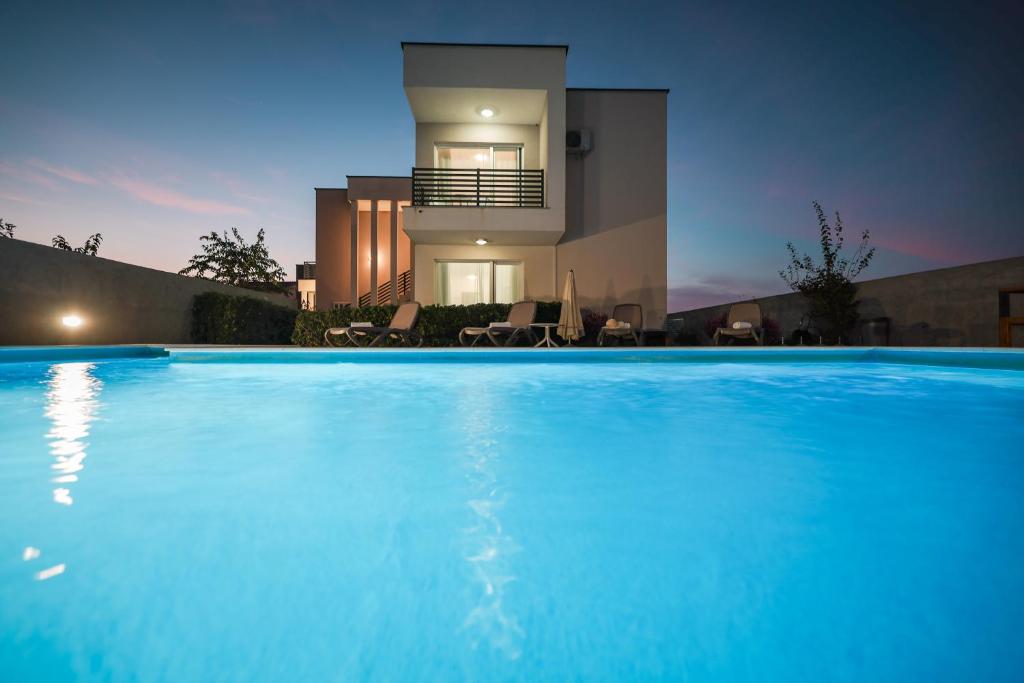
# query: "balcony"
[[503, 188]]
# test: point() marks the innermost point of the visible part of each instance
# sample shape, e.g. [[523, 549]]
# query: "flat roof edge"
[[392, 177], [534, 45], [343, 189], [664, 90]]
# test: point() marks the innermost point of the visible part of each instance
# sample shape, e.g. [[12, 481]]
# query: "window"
[[478, 282], [482, 156]]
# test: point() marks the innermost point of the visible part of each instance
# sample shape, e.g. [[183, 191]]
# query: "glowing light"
[[71, 321], [480, 241], [487, 112], [481, 157]]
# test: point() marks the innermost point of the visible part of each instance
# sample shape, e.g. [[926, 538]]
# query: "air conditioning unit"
[[578, 142]]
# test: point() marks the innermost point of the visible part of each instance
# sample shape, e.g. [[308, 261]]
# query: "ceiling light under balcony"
[[487, 112], [480, 241]]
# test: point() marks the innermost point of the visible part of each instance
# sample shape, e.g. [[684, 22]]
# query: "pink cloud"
[[714, 290], [926, 247], [21, 199], [162, 196], [237, 188], [65, 172], [26, 175]]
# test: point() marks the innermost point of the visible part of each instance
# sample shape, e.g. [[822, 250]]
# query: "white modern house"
[[517, 179]]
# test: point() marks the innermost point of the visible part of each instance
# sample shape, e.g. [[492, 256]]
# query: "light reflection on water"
[[72, 401], [488, 546], [71, 405]]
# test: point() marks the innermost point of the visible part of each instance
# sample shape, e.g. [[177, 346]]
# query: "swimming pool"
[[199, 514]]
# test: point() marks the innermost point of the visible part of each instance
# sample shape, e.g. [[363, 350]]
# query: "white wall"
[[616, 202], [538, 266]]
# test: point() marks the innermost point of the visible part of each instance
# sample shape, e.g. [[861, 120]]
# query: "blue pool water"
[[195, 518]]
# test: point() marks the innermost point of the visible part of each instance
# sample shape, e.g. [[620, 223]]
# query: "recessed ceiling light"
[[487, 112], [481, 241], [71, 321]]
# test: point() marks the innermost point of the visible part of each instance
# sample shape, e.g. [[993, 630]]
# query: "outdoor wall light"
[[480, 241], [71, 321], [487, 112]]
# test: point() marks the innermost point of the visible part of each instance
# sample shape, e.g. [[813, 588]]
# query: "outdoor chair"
[[332, 333], [633, 316], [402, 328], [520, 317], [743, 322]]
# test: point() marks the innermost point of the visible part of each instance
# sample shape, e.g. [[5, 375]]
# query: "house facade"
[[517, 180]]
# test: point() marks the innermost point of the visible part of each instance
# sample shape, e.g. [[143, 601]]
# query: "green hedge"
[[226, 319], [439, 325]]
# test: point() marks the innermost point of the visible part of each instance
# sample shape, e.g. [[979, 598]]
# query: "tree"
[[91, 246], [7, 229], [828, 286], [228, 259]]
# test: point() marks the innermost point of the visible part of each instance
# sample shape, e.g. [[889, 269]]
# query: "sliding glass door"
[[478, 156], [496, 174], [478, 282]]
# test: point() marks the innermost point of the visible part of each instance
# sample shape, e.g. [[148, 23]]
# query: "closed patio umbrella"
[[570, 321]]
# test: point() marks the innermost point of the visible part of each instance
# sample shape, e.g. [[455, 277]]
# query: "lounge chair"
[[338, 332], [633, 314], [401, 328], [520, 317], [743, 322]]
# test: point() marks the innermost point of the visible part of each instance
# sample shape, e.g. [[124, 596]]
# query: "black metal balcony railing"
[[477, 187], [403, 287]]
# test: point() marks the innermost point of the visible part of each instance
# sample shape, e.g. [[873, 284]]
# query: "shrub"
[[226, 319], [711, 325], [592, 324], [438, 325], [828, 285]]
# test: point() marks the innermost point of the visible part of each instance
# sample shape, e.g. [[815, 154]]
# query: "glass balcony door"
[[483, 156], [497, 167]]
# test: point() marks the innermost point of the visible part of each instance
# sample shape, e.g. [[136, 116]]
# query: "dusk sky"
[[154, 124]]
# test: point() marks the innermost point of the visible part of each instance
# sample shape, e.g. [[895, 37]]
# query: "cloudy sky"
[[154, 123]]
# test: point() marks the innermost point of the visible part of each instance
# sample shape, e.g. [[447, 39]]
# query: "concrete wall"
[[538, 266], [616, 201], [946, 307], [333, 247], [120, 303]]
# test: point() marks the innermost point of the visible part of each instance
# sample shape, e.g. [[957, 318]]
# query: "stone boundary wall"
[[119, 303], [947, 307]]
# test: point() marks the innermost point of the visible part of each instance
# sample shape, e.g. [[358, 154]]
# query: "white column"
[[412, 268], [373, 253], [353, 209], [394, 251]]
